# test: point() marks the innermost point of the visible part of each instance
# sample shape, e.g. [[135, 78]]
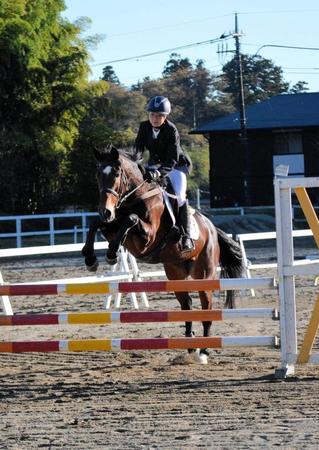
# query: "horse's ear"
[[141, 167], [114, 153], [109, 153], [98, 156]]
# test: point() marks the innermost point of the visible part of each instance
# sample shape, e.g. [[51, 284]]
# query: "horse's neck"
[[149, 194]]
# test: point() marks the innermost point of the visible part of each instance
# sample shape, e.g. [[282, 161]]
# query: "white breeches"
[[179, 182]]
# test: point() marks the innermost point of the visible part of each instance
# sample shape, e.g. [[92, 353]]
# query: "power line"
[[300, 68], [172, 25], [285, 46], [210, 41]]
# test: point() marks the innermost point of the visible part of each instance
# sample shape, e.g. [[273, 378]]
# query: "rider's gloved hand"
[[152, 175]]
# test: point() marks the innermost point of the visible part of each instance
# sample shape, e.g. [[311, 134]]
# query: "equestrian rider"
[[166, 158]]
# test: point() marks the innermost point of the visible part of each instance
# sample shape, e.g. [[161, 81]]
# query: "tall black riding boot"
[[187, 243]]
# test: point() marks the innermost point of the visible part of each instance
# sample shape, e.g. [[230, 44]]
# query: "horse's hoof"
[[204, 351], [91, 263], [111, 261], [93, 267], [200, 357]]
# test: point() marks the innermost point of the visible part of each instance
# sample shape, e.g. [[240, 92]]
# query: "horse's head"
[[111, 182], [115, 171]]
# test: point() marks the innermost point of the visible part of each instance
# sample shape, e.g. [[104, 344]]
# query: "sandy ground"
[[145, 400]]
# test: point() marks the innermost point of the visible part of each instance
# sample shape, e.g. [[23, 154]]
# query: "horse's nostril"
[[105, 214]]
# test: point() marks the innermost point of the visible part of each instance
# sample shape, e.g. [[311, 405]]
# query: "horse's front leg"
[[91, 261], [128, 224]]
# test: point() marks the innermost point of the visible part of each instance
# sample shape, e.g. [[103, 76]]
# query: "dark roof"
[[281, 111]]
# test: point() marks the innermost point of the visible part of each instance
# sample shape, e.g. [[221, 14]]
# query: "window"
[[288, 151], [286, 143]]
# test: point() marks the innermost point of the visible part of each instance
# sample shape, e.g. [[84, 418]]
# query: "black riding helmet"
[[159, 104]]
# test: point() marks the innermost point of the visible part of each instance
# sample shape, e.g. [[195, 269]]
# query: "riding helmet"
[[159, 104]]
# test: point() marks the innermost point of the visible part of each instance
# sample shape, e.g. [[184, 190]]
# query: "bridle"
[[120, 197], [123, 194]]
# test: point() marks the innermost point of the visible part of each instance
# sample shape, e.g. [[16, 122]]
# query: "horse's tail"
[[231, 262]]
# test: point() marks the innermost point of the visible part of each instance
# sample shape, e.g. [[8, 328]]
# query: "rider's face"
[[156, 119]]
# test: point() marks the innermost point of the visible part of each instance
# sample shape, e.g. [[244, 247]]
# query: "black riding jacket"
[[165, 150]]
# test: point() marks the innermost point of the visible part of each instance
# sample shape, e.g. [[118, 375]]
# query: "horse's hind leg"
[[205, 268], [206, 303], [181, 272], [185, 300]]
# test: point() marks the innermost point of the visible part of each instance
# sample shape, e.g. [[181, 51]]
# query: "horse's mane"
[[129, 154], [132, 154]]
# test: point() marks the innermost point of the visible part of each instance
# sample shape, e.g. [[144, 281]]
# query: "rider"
[[166, 158]]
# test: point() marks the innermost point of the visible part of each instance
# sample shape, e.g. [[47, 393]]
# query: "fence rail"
[[21, 226], [80, 226]]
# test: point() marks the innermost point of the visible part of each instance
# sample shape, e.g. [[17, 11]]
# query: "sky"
[[132, 28]]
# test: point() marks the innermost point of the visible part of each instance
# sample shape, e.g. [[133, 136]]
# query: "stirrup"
[[187, 244]]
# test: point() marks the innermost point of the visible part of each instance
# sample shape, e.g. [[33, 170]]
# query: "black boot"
[[187, 243]]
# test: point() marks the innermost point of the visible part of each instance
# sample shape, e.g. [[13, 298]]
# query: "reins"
[[144, 196], [125, 197], [124, 185]]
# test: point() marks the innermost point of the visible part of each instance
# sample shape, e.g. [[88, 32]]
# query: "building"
[[281, 130]]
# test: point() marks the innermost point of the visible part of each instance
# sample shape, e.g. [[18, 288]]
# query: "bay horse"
[[132, 213]]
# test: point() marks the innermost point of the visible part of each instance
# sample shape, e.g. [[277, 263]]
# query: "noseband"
[[122, 189], [111, 191]]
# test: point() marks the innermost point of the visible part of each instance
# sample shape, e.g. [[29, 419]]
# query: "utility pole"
[[242, 117]]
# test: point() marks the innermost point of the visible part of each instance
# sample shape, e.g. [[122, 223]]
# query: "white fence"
[[78, 231], [270, 235], [126, 269], [24, 226]]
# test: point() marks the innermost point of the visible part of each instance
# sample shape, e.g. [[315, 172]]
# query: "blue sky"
[[137, 27]]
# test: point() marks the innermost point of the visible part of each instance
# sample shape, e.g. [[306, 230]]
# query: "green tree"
[[299, 88], [262, 79], [199, 178], [110, 75], [111, 119], [175, 64], [44, 92]]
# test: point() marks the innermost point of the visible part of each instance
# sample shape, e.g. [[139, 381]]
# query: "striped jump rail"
[[101, 318], [104, 345], [114, 287]]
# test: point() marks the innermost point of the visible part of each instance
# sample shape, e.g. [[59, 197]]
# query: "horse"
[[133, 213]]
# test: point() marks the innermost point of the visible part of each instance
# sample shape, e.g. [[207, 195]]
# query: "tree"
[[261, 78], [109, 75], [199, 178], [111, 119], [175, 64], [299, 88], [44, 92]]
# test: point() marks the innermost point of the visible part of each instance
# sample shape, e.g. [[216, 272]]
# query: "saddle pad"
[[194, 228]]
